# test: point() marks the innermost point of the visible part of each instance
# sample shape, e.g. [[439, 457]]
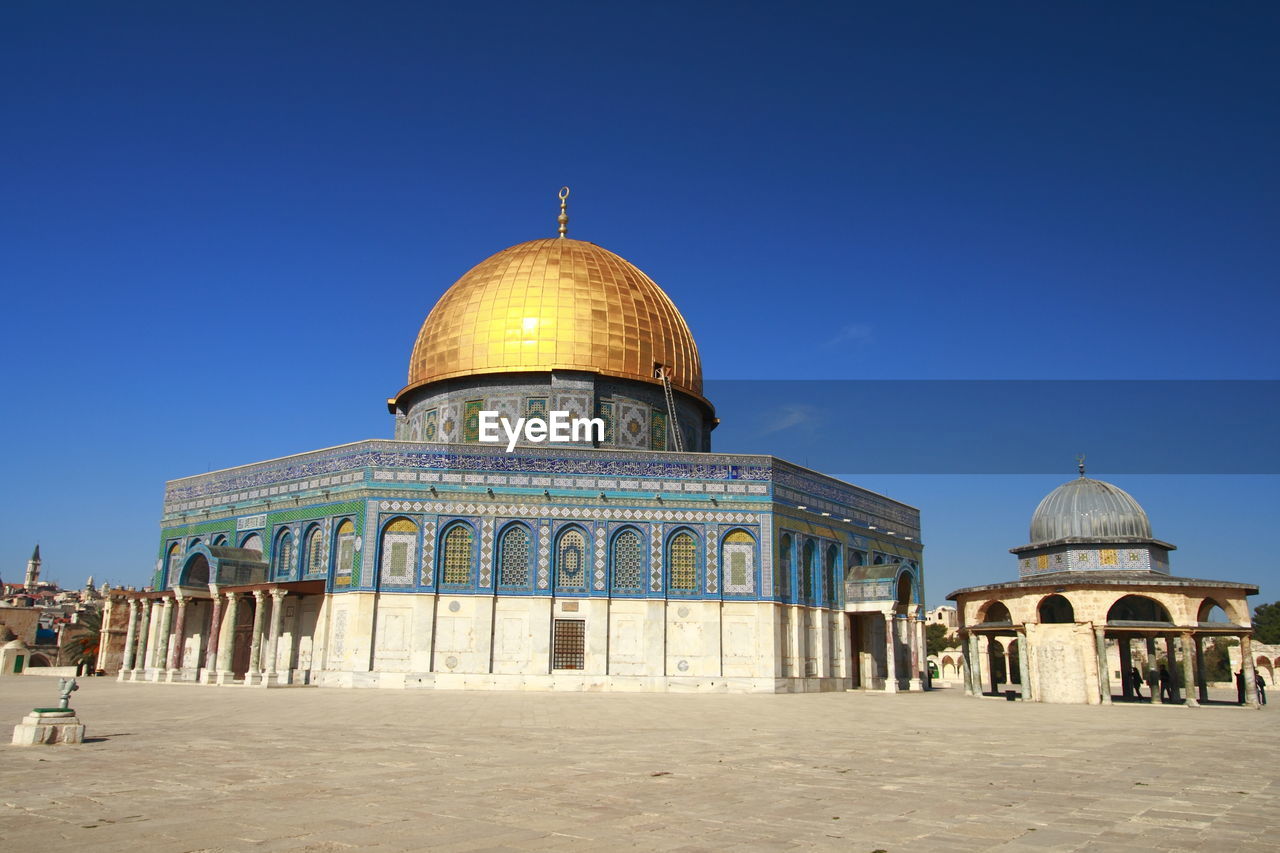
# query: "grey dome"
[[1089, 509]]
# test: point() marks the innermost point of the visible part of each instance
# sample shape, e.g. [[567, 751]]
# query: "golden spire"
[[563, 218]]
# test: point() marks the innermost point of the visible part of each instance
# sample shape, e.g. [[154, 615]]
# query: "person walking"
[[1262, 688], [1135, 678], [1240, 687], [1166, 688]]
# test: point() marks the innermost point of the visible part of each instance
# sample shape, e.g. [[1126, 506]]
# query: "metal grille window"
[[346, 552], [807, 566], [457, 555], [739, 562], [315, 552], [628, 562], [570, 571], [568, 644], [284, 553], [514, 559], [682, 565], [784, 565], [833, 575]]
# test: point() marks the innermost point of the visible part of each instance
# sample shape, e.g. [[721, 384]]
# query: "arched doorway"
[[1056, 610]]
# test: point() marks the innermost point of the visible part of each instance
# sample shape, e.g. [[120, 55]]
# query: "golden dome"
[[556, 304]]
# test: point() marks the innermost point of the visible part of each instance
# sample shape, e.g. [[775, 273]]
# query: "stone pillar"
[[273, 644], [1190, 676], [840, 648], [130, 638], [1171, 665], [1024, 676], [1202, 680], [890, 652], [913, 650], [227, 638], [161, 660], [1007, 651], [972, 665], [922, 654], [1153, 675], [1250, 675], [1104, 668], [255, 639], [177, 651], [1126, 666], [211, 642], [144, 632]]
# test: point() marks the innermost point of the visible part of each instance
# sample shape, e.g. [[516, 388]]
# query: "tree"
[[1217, 660], [82, 648], [936, 638], [1266, 623]]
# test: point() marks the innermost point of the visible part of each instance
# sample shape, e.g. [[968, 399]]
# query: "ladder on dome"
[[677, 439]]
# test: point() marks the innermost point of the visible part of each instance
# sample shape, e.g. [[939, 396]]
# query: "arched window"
[[997, 613], [1212, 611], [399, 552], [513, 557], [571, 552], [739, 561], [808, 563], [219, 540], [1137, 608], [1056, 610], [284, 553], [833, 575], [345, 540], [315, 551], [682, 563], [193, 543], [458, 556], [904, 588], [783, 580], [173, 562], [252, 542], [627, 567]]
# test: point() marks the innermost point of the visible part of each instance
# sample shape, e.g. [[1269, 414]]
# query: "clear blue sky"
[[222, 224]]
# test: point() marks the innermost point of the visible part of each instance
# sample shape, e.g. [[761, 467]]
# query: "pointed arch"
[[626, 562], [284, 553], [252, 542], [808, 568], [313, 552], [738, 561], [344, 540], [457, 554], [786, 557], [398, 551], [571, 558], [832, 575], [515, 556], [682, 562]]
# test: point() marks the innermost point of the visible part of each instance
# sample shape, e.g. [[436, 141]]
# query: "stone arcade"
[[640, 562]]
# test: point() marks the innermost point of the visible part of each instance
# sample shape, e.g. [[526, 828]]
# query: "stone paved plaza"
[[189, 768]]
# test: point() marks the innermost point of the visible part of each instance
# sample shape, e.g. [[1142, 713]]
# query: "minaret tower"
[[33, 570]]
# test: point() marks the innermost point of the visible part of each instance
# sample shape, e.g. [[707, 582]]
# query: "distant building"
[[1095, 611]]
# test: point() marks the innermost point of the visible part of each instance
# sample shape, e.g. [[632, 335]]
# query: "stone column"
[[227, 638], [840, 647], [161, 661], [1153, 676], [1126, 665], [1202, 681], [890, 652], [130, 638], [1247, 667], [255, 639], [1104, 668], [1007, 650], [972, 669], [211, 642], [1024, 675], [913, 650], [1171, 665], [1190, 677], [144, 633], [177, 651], [922, 654], [273, 644]]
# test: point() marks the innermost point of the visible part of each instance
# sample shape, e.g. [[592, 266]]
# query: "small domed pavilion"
[[1093, 582]]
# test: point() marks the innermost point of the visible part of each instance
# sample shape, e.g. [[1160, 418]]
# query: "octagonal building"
[[635, 559]]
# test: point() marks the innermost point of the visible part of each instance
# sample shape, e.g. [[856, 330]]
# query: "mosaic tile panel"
[[606, 415], [739, 563], [655, 558], [399, 553], [571, 560], [544, 555], [431, 425], [712, 538], [657, 431], [486, 552], [427, 571], [598, 575], [471, 420]]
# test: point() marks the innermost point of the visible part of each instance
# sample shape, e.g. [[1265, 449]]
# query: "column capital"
[[259, 595], [279, 594]]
